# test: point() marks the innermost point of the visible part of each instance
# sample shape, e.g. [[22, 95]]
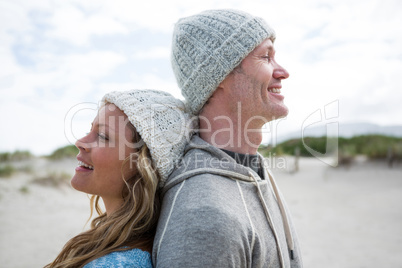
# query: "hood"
[[200, 157]]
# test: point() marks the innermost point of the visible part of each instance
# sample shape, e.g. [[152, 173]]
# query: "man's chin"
[[279, 114]]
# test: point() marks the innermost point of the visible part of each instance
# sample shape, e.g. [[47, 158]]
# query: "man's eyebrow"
[[270, 48], [267, 49]]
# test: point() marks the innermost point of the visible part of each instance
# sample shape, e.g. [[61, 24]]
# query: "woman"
[[131, 149]]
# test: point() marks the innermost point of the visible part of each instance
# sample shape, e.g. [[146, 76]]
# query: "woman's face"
[[101, 155]]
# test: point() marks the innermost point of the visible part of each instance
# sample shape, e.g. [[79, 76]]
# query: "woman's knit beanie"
[[206, 47], [161, 121]]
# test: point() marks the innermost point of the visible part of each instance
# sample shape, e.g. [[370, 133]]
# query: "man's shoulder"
[[205, 185], [202, 207], [206, 195]]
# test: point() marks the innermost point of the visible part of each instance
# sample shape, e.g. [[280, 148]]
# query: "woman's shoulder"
[[127, 258]]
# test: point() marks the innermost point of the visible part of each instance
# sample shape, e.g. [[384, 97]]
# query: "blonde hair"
[[133, 225]]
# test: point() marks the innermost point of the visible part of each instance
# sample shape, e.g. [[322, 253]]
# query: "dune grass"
[[69, 151], [6, 171], [372, 146], [15, 156], [53, 179]]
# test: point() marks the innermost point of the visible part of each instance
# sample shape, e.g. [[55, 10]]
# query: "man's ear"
[[223, 84]]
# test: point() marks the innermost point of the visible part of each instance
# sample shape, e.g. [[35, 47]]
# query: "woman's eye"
[[103, 136]]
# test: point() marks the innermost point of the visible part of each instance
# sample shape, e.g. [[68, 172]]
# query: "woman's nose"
[[84, 143]]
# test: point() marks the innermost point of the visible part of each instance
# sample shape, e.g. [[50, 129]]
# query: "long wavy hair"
[[133, 225]]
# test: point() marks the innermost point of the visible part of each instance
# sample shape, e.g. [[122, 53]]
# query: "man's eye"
[[267, 58]]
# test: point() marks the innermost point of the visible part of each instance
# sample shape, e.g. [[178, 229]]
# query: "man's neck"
[[230, 135], [227, 126]]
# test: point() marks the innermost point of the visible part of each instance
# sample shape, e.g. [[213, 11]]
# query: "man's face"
[[256, 83]]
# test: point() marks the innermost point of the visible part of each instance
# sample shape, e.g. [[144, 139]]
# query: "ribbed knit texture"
[[206, 47], [134, 258], [161, 121]]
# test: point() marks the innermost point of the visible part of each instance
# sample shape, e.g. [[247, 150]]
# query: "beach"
[[348, 216]]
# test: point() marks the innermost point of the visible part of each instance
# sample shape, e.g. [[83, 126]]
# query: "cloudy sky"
[[58, 58]]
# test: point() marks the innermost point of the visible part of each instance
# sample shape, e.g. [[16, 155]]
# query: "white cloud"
[[39, 99], [334, 50], [152, 81], [73, 25], [158, 15], [153, 53]]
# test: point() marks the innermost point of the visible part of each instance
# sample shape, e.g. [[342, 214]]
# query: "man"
[[221, 206]]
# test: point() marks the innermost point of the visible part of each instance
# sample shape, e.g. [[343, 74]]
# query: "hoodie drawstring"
[[288, 233], [268, 216]]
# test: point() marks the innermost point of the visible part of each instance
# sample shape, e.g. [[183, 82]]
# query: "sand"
[[345, 217], [36, 222]]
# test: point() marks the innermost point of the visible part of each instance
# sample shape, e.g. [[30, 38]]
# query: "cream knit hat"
[[206, 47], [160, 120]]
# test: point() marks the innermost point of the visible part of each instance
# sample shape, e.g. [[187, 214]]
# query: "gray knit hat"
[[206, 47], [160, 120]]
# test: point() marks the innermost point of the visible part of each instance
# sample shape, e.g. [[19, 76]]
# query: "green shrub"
[[373, 146], [6, 171], [4, 157], [24, 189], [269, 151], [68, 151], [289, 147], [15, 156], [21, 155]]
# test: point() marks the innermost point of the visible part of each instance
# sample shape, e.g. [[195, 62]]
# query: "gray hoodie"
[[217, 213]]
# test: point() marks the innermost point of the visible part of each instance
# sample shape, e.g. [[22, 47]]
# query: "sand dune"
[[345, 217]]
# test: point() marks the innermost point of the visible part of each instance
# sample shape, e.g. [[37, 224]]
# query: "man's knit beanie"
[[161, 121], [206, 47]]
